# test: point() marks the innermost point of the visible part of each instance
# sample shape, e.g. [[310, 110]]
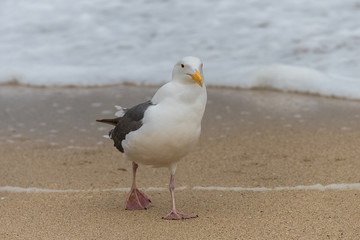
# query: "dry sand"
[[251, 139]]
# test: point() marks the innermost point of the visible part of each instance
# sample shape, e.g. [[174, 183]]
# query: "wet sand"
[[251, 138]]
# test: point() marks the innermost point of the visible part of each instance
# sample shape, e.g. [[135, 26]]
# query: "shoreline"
[[16, 83]]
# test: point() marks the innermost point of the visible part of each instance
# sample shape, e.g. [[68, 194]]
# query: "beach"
[[269, 165]]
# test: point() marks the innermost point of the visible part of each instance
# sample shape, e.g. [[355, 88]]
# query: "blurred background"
[[304, 46]]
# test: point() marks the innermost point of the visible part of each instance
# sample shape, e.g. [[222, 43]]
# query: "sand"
[[254, 139]]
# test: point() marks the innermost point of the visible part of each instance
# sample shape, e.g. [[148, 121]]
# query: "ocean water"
[[290, 45]]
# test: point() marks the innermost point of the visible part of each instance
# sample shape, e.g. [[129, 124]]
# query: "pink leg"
[[174, 214], [136, 200]]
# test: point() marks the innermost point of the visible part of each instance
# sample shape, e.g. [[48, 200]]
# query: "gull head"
[[188, 70]]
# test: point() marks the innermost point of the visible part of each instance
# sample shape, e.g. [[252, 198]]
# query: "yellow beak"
[[196, 77]]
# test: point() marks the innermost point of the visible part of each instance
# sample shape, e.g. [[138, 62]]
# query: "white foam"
[[341, 186], [243, 49], [318, 187], [35, 190], [236, 189], [44, 190], [179, 188]]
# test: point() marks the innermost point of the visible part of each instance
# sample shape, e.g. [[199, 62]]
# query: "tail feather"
[[113, 121]]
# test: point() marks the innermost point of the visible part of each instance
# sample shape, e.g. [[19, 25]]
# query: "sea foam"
[[304, 46]]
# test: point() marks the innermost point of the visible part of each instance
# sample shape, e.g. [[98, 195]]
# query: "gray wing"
[[131, 121]]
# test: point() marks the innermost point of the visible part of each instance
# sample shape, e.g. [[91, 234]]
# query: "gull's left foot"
[[175, 215]]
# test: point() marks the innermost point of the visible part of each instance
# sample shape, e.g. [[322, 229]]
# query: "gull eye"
[[182, 65]]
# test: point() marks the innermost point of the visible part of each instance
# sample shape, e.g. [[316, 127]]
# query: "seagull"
[[161, 131]]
